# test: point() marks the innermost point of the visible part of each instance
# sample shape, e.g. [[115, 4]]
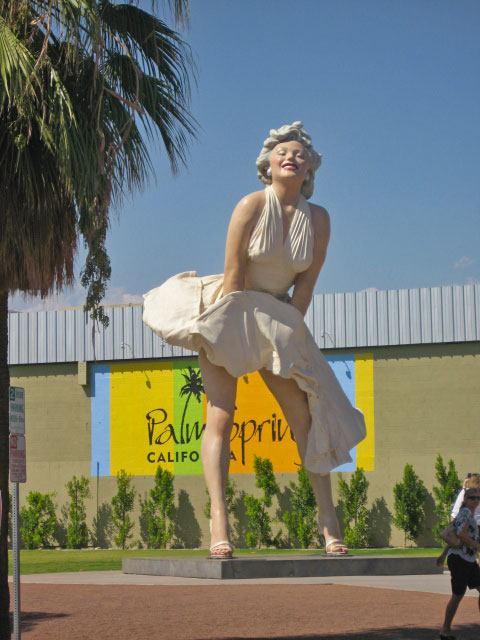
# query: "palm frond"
[[16, 63], [179, 10], [162, 110], [38, 222], [158, 49], [83, 86]]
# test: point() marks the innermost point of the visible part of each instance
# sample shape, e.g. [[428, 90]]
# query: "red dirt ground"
[[284, 612]]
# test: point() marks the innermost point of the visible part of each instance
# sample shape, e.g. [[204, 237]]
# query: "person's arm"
[[305, 281], [458, 504], [464, 537], [476, 515], [242, 223]]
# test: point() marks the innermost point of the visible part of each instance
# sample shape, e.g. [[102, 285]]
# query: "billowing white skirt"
[[246, 331]]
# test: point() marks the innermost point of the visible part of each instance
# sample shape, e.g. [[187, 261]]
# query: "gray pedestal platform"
[[291, 566]]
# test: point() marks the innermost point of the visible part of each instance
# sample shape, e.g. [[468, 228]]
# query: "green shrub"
[[259, 520], [356, 520], [302, 520], [446, 493], [122, 504], [409, 504], [38, 520], [158, 510], [77, 532]]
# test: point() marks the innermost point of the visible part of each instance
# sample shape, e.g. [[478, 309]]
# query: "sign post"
[[18, 473]]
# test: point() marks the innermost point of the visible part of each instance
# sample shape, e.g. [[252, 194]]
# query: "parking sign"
[[17, 410], [18, 459]]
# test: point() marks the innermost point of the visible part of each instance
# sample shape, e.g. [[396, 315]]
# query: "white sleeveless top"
[[272, 262]]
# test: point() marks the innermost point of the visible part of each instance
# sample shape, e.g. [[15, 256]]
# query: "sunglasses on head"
[[473, 497]]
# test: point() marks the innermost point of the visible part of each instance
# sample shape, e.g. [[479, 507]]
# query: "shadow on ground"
[[30, 619], [465, 632]]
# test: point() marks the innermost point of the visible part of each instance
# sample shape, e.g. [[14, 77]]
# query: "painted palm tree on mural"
[[83, 86], [193, 387]]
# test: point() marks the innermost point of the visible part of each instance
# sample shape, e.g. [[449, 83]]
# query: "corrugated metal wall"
[[365, 319]]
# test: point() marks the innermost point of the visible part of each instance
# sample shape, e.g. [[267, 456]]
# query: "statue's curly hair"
[[287, 133]]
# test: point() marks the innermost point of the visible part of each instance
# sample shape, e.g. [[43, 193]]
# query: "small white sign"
[[18, 458], [17, 410]]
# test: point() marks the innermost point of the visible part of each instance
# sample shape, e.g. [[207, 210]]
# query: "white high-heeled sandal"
[[221, 550], [339, 548]]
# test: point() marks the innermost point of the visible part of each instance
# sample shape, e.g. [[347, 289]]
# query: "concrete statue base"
[[292, 566]]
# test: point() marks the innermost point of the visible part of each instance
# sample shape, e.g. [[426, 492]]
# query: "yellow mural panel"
[[260, 429], [364, 400], [141, 413]]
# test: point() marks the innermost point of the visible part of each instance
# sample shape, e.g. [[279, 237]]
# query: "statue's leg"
[[220, 389], [294, 404]]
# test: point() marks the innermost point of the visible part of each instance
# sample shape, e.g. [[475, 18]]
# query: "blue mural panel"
[[100, 408]]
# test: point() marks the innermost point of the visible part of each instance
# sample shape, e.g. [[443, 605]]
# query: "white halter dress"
[[258, 328]]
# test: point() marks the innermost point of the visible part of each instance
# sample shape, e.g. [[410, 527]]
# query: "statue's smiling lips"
[[289, 165]]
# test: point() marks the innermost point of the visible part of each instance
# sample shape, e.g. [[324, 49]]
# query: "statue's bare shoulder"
[[321, 222], [248, 210]]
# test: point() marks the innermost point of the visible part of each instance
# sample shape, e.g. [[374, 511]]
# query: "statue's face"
[[289, 160]]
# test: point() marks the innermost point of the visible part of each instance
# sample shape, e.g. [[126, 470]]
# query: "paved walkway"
[[110, 605], [424, 583]]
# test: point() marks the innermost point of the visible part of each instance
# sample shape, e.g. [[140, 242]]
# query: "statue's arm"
[[242, 223]]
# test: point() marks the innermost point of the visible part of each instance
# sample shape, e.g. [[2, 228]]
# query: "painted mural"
[[153, 412]]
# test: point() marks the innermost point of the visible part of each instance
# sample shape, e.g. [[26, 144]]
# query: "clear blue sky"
[[389, 91]]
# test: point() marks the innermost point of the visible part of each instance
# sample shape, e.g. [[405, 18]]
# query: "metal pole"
[[98, 476], [16, 562]]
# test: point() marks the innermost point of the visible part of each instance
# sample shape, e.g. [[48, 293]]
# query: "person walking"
[[462, 562]]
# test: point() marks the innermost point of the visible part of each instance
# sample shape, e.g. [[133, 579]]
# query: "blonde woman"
[[464, 569], [244, 320], [472, 481]]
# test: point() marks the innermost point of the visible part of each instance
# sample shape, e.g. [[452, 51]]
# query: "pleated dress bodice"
[[273, 263]]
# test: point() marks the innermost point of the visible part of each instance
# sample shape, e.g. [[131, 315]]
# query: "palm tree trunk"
[[4, 450], [182, 439]]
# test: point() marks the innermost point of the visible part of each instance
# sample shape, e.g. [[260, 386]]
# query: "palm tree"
[[193, 386], [83, 86]]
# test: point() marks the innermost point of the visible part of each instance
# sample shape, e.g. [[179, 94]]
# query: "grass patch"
[[60, 561]]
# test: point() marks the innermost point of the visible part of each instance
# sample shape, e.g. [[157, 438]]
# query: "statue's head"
[[286, 133]]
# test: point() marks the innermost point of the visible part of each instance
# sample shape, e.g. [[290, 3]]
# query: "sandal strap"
[[335, 542], [222, 543]]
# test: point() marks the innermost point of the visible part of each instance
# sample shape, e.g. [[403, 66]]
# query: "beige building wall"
[[427, 402]]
